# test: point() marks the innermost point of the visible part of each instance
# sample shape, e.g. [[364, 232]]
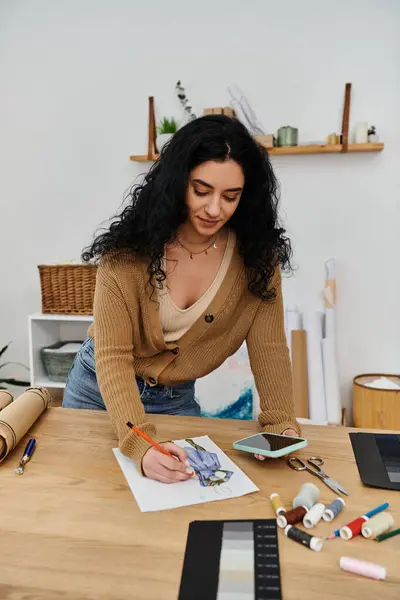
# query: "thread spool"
[[314, 516], [362, 567], [377, 525], [332, 511], [304, 538], [292, 516], [307, 496], [353, 528], [277, 504]]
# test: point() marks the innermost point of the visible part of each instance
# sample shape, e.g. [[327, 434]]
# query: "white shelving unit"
[[45, 330]]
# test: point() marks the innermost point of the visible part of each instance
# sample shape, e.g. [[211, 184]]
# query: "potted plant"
[[372, 137], [11, 380], [166, 130]]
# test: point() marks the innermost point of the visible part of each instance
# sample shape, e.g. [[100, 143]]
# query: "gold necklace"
[[191, 254]]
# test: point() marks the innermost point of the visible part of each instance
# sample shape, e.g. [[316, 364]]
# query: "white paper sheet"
[[152, 495], [383, 383], [312, 323], [331, 378]]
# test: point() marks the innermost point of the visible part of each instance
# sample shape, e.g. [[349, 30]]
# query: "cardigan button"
[[209, 318], [152, 380]]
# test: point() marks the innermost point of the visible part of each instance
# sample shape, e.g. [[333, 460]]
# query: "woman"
[[188, 271]]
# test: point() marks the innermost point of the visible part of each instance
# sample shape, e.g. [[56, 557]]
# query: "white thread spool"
[[377, 525], [314, 516], [308, 496]]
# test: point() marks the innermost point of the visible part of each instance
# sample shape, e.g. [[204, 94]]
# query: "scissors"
[[316, 462]]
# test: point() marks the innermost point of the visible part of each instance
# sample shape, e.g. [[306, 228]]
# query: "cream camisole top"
[[175, 321]]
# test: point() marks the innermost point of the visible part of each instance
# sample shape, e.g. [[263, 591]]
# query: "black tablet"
[[378, 458]]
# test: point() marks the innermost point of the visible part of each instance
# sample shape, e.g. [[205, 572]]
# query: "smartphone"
[[270, 444]]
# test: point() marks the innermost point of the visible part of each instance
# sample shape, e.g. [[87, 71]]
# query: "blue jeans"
[[82, 390]]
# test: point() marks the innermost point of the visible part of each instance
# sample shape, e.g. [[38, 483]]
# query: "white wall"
[[74, 81]]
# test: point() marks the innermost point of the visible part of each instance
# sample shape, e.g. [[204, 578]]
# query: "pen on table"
[[30, 447], [386, 536], [368, 514], [148, 439]]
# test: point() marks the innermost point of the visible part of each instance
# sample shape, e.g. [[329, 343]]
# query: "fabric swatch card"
[[217, 478], [231, 560]]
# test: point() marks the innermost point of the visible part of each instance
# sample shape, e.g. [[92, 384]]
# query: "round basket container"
[[376, 407]]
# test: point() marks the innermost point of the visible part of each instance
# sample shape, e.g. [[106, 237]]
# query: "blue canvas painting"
[[229, 392]]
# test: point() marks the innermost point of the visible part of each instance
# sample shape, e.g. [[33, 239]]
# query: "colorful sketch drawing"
[[206, 465]]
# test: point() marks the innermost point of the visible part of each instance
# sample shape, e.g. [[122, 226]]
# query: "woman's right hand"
[[163, 468]]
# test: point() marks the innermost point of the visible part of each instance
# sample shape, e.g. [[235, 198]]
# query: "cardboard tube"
[[5, 398], [19, 416], [299, 372]]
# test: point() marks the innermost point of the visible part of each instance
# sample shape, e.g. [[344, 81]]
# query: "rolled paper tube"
[[19, 416], [314, 515], [5, 398], [353, 528], [292, 516], [277, 504], [308, 496], [377, 525], [332, 511], [362, 567], [312, 323]]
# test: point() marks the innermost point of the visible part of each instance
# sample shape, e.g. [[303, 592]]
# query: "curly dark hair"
[[157, 207]]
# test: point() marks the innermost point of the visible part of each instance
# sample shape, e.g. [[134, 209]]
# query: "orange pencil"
[[151, 441], [148, 439]]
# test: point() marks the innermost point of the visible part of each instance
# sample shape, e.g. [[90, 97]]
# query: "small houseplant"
[[166, 130], [10, 380], [372, 136]]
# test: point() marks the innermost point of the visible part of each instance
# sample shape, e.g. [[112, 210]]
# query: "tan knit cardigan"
[[129, 341]]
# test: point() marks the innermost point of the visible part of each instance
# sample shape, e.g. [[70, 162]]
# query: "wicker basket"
[[67, 289]]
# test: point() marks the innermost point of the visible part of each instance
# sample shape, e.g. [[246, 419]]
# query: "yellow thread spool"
[[377, 525], [277, 504]]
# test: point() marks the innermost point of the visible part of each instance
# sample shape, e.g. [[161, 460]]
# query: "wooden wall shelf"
[[291, 150], [327, 149]]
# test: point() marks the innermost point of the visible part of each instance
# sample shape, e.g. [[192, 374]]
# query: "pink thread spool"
[[362, 567]]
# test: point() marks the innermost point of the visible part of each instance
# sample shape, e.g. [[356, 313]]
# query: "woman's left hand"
[[289, 432]]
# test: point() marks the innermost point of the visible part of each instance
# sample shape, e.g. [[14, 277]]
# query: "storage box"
[[58, 358], [265, 140]]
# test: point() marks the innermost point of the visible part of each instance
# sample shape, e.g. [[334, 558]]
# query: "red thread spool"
[[353, 528], [292, 516]]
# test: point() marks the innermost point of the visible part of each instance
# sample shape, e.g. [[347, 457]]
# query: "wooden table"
[[70, 528]]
